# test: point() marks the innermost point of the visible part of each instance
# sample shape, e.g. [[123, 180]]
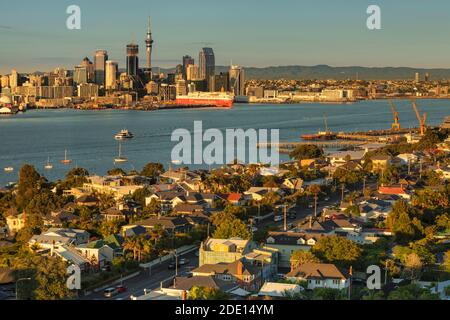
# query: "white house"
[[320, 275]]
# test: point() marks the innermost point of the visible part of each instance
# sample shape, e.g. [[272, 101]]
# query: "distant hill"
[[322, 72]]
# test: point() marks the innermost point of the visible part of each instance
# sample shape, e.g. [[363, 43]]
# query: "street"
[[143, 281]]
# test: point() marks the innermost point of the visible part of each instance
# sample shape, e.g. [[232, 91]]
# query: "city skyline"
[[297, 36]]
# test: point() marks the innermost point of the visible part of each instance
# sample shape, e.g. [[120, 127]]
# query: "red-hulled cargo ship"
[[214, 99]]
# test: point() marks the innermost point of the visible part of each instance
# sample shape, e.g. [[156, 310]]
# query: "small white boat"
[[120, 158], [9, 169], [48, 166], [123, 135], [66, 161]]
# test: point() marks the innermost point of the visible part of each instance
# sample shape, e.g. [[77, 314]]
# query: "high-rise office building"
[[101, 56], [237, 80], [132, 60], [207, 64], [80, 75], [181, 87], [417, 77], [192, 72], [187, 60], [149, 46], [112, 68], [219, 82], [13, 79], [86, 63]]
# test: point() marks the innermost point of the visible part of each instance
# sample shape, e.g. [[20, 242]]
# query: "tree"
[[29, 184], [75, 178], [231, 229], [206, 293], [116, 172], [337, 250], [328, 294], [307, 151], [152, 170], [300, 257], [108, 228], [413, 266], [51, 279], [412, 292], [446, 263], [403, 225]]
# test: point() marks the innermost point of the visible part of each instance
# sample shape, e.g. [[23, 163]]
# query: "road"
[[301, 213], [148, 281]]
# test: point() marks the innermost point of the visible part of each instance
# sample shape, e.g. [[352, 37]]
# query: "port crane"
[[396, 124], [422, 119]]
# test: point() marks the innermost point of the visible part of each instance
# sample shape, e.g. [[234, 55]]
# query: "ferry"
[[212, 99], [9, 169], [124, 134]]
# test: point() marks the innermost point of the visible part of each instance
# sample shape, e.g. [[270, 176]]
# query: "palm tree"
[[132, 244]]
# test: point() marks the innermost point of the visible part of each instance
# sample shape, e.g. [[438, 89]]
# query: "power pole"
[[342, 194], [315, 205], [285, 217]]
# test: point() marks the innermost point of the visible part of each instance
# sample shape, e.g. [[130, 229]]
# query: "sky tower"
[[149, 46]]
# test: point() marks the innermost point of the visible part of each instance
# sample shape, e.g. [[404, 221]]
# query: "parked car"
[[278, 218], [110, 292], [183, 261], [121, 288]]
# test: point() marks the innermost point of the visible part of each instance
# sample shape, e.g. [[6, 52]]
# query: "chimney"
[[310, 222]]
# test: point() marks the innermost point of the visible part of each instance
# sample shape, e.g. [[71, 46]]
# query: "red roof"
[[391, 190], [234, 197]]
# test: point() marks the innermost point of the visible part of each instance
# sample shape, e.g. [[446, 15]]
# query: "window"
[[318, 282], [336, 282]]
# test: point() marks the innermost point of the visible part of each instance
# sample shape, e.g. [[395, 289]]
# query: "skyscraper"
[[80, 75], [112, 69], [187, 60], [86, 63], [192, 72], [99, 66], [132, 59], [237, 80], [207, 64], [149, 46]]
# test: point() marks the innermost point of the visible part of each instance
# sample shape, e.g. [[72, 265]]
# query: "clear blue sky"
[[249, 32]]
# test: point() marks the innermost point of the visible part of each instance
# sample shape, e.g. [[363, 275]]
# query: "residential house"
[[188, 209], [246, 275], [285, 243], [258, 193], [320, 275], [381, 162], [55, 237], [15, 222], [182, 285], [60, 218], [279, 290], [395, 190], [98, 253], [113, 185], [71, 255], [166, 199], [171, 224], [213, 251], [405, 158], [115, 214], [235, 199], [293, 184], [87, 201], [340, 158]]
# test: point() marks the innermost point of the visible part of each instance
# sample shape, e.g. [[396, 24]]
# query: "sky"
[[257, 33]]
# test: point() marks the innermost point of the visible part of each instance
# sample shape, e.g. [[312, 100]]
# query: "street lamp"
[[18, 280]]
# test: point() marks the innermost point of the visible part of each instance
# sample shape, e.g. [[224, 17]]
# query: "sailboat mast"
[[326, 123]]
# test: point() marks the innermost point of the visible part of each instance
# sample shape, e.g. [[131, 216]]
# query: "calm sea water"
[[88, 136]]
